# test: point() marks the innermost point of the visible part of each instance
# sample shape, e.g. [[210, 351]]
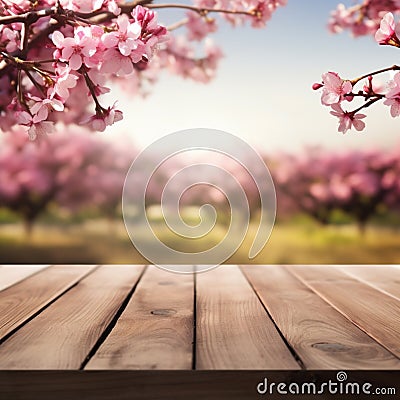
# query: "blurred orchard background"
[[338, 196], [60, 201]]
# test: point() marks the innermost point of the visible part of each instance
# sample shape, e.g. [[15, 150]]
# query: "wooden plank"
[[233, 329], [321, 336], [63, 335], [383, 277], [371, 310], [12, 274], [20, 302], [155, 331]]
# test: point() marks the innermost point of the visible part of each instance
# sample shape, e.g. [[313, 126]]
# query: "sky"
[[262, 91]]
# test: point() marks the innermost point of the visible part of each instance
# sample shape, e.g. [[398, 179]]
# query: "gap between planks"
[[321, 336], [22, 302], [373, 311], [155, 331], [233, 329], [62, 335]]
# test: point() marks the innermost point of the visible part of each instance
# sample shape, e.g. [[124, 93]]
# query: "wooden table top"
[[248, 317]]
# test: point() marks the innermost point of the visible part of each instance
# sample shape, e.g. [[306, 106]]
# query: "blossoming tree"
[[358, 183], [71, 168], [56, 56]]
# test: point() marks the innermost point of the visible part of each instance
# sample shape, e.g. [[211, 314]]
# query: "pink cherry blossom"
[[87, 6], [125, 38], [101, 120], [11, 37], [43, 106], [335, 88], [347, 120], [116, 63], [262, 13], [198, 26], [37, 124], [64, 80], [152, 33], [386, 32], [393, 96], [110, 5], [76, 50]]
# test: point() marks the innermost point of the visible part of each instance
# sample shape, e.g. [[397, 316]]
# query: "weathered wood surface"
[[252, 317], [233, 329], [73, 324], [155, 331], [21, 302], [321, 336], [12, 274], [386, 278], [372, 310]]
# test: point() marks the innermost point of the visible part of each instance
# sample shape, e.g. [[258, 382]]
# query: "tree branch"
[[380, 71]]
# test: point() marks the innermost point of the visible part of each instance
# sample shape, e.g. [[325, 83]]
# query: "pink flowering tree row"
[[359, 183], [315, 182], [58, 57], [348, 98], [71, 169]]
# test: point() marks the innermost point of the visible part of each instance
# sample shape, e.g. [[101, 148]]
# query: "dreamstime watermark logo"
[[238, 172], [339, 387]]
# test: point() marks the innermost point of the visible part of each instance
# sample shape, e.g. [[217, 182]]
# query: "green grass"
[[298, 242]]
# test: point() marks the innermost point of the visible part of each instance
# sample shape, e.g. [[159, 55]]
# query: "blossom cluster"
[[58, 57], [337, 92], [70, 58], [362, 18]]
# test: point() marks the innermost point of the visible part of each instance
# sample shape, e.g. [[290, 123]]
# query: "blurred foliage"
[[298, 241]]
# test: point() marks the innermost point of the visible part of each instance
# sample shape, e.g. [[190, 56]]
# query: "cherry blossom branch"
[[177, 25], [90, 85], [336, 91], [53, 51], [31, 17], [380, 71], [368, 104], [201, 10], [27, 64]]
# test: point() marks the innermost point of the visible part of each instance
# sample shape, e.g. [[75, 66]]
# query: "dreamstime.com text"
[[341, 387]]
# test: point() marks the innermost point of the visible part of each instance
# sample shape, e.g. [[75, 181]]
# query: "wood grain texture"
[[321, 336], [72, 325], [370, 309], [155, 331], [233, 330], [20, 302], [383, 277], [12, 274]]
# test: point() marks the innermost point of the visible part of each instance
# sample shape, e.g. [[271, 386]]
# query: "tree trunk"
[[28, 228], [362, 227]]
